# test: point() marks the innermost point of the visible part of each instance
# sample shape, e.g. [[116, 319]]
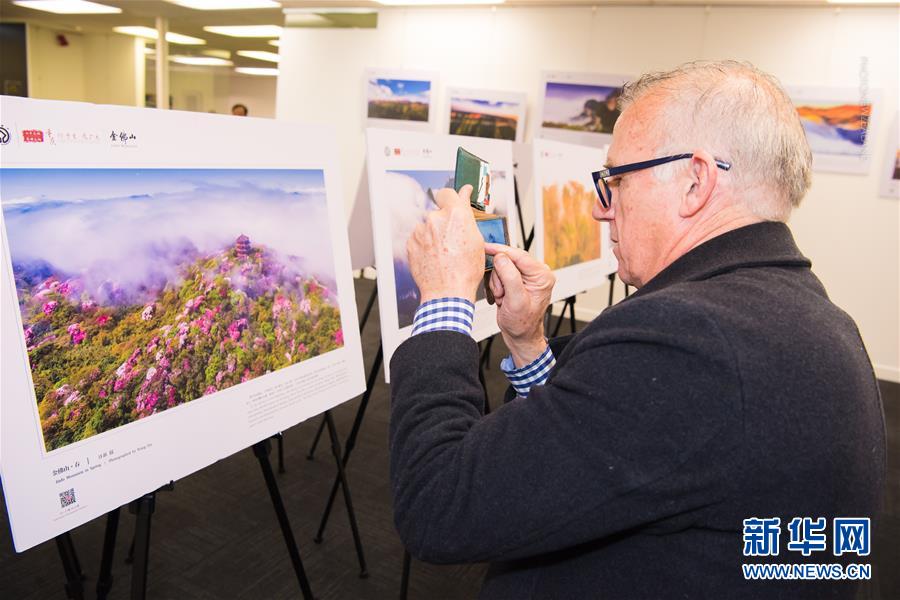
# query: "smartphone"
[[494, 230], [476, 172]]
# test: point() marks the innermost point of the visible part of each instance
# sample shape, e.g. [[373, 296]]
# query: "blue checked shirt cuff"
[[532, 374], [444, 314]]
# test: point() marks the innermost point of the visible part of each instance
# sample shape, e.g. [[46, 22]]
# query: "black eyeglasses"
[[605, 194]]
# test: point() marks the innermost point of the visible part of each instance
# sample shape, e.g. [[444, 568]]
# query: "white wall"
[[100, 68], [850, 233], [205, 89], [256, 92]]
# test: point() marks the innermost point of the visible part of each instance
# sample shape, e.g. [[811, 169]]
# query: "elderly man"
[[650, 455]]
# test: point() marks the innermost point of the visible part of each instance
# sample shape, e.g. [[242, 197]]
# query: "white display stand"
[[146, 229], [403, 166], [565, 170]]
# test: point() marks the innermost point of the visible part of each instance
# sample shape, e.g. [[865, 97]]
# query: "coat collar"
[[759, 245]]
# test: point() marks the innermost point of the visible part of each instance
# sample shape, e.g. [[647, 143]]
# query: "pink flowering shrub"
[[101, 362]]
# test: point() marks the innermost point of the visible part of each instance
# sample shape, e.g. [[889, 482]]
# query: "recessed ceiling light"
[[150, 33], [226, 4], [256, 71], [435, 2], [69, 7], [259, 55], [298, 18], [217, 53], [248, 31], [201, 61], [276, 43]]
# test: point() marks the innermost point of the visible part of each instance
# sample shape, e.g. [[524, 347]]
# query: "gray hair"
[[739, 114]]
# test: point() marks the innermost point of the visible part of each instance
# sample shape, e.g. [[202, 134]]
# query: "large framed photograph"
[[405, 171], [400, 99], [566, 236], [837, 122], [166, 303], [486, 113], [580, 108]]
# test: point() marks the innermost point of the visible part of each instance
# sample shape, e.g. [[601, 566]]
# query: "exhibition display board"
[[837, 122], [566, 236], [176, 288], [486, 113], [405, 169], [400, 99], [580, 108]]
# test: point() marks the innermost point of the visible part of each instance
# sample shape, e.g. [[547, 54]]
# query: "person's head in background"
[[239, 110]]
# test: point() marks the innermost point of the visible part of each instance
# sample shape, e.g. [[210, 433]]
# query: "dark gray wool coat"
[[728, 387]]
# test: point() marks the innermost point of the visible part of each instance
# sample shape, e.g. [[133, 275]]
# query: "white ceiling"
[[191, 22]]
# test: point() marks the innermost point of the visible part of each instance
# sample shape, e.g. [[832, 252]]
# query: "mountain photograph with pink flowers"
[[142, 290]]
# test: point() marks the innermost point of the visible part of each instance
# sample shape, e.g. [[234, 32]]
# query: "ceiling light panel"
[[201, 61], [226, 4], [246, 31], [256, 71], [150, 34], [259, 55], [69, 7]]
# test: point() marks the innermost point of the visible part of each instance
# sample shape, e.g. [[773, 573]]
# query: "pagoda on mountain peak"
[[242, 246]]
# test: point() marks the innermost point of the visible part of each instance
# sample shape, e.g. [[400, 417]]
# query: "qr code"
[[67, 498]]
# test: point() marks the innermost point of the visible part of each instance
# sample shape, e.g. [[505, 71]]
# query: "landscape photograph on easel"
[[484, 118], [581, 106], [142, 290], [571, 235], [398, 99]]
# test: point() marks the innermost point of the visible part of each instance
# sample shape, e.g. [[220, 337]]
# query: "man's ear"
[[700, 182]]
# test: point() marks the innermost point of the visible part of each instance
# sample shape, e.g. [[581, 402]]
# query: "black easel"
[[570, 305], [261, 450], [362, 324], [526, 241], [74, 585], [351, 442], [139, 553]]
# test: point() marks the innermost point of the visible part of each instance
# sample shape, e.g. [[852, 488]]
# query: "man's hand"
[[446, 252], [521, 287]]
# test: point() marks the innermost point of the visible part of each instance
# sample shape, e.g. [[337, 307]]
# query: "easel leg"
[[612, 287], [261, 450], [74, 578], [312, 449], [345, 487], [519, 209], [105, 578], [351, 440], [362, 324], [369, 304], [279, 437], [562, 315], [404, 580], [143, 508], [572, 314]]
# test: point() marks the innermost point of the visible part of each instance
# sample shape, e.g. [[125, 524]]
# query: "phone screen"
[[493, 229]]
